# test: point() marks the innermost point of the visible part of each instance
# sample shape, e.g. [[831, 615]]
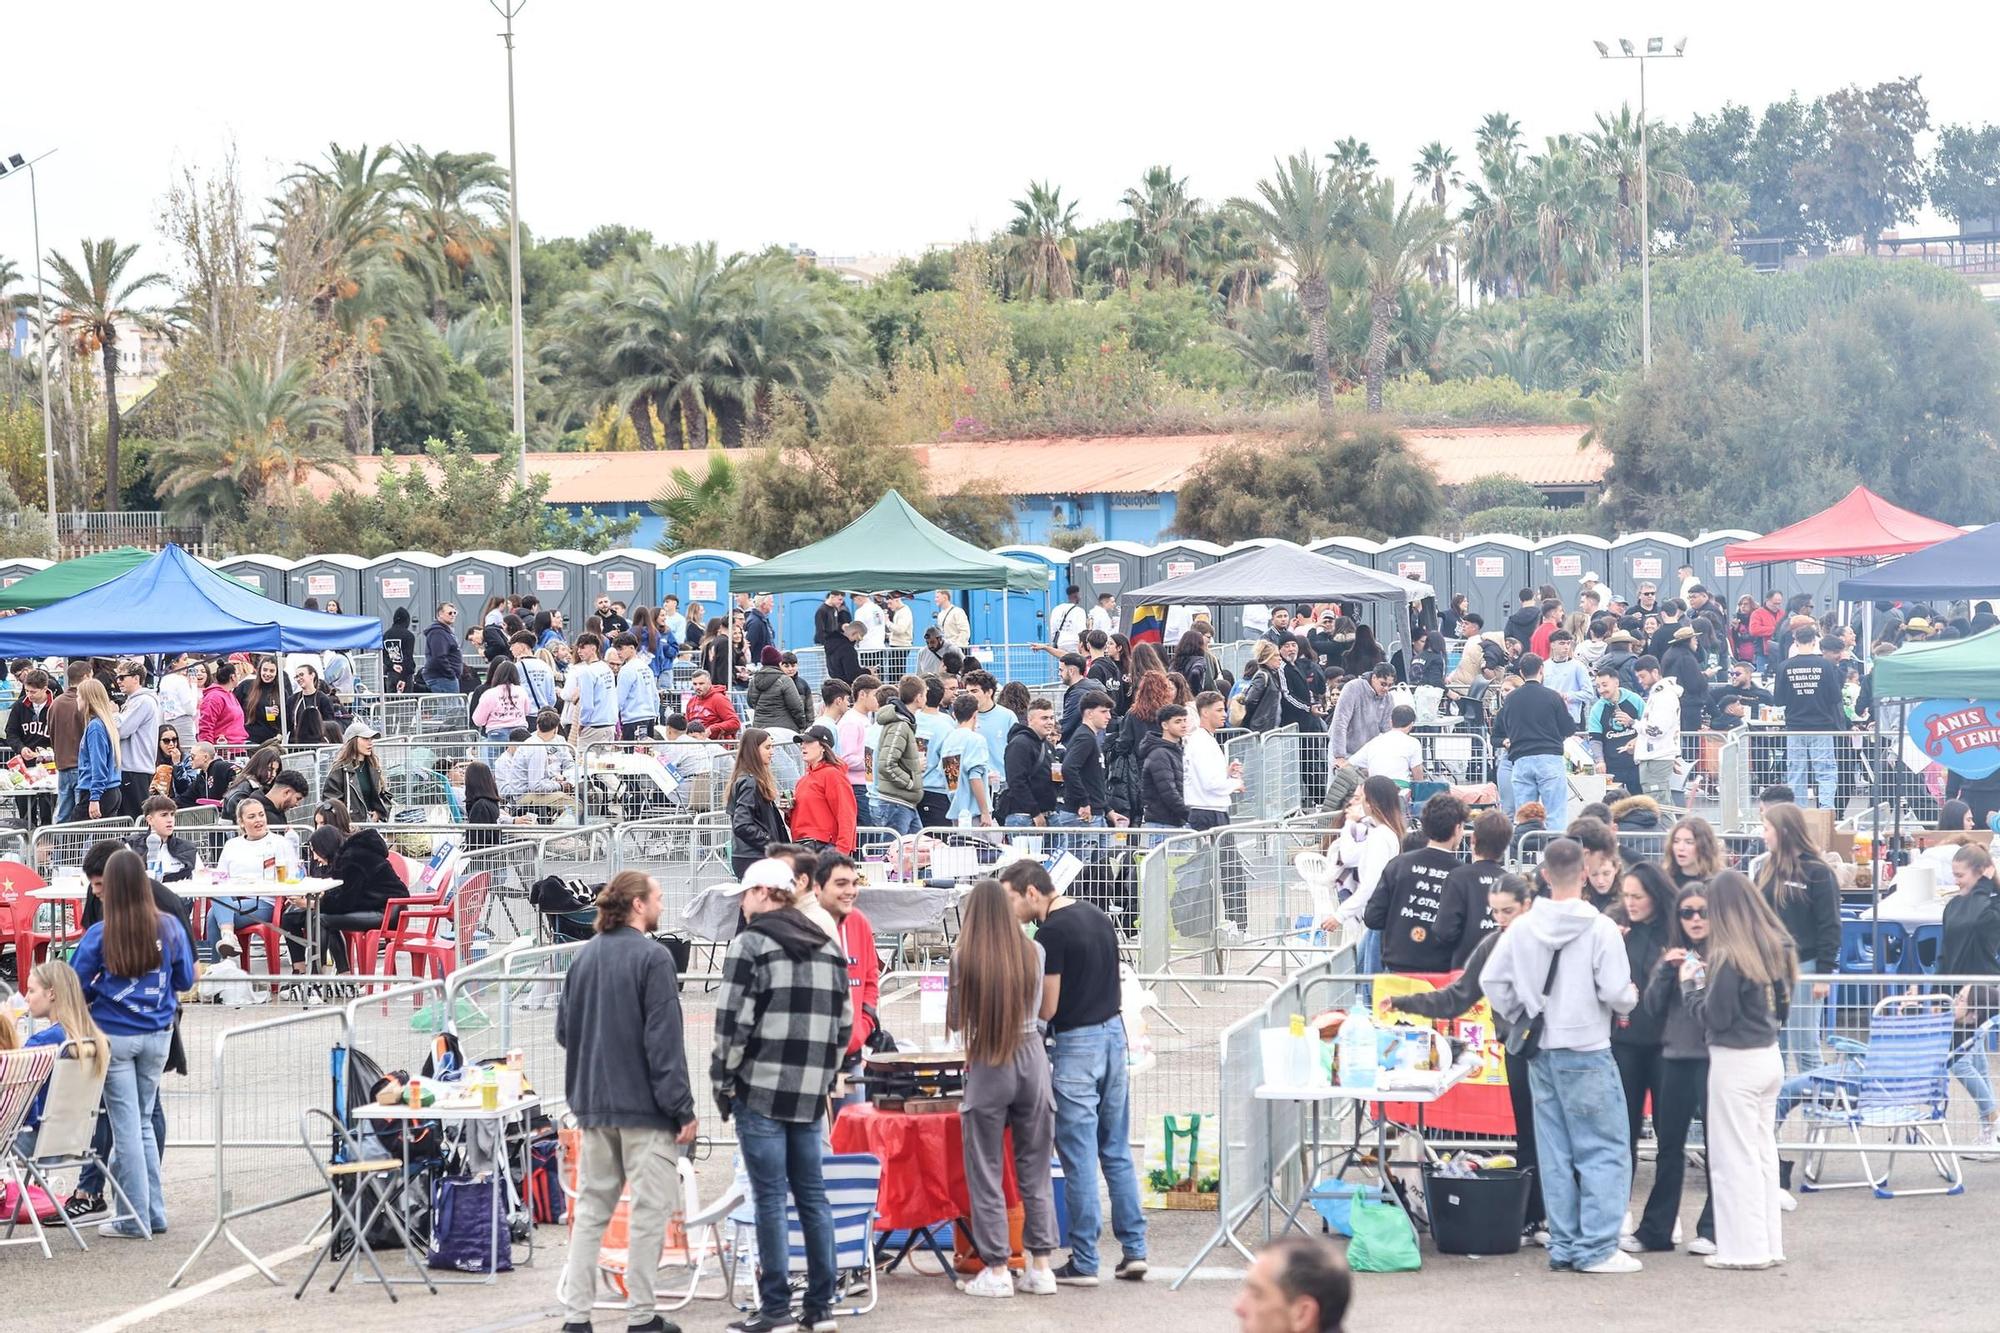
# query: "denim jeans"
[[1540, 777], [65, 794], [1809, 761], [1093, 1128], [897, 818], [780, 1156], [130, 1089], [90, 1180], [1972, 1072], [1018, 821], [1503, 781], [223, 912], [1802, 1039], [1586, 1158], [1085, 845], [864, 811]]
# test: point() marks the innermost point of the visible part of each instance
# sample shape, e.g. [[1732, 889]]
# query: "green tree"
[[261, 437], [1352, 161], [1964, 176], [453, 207], [698, 508], [1867, 176], [90, 301], [1041, 243], [1436, 169], [1358, 478], [1168, 223], [1301, 213], [1392, 242]]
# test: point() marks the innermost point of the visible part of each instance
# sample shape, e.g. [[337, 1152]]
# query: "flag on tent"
[[1149, 623]]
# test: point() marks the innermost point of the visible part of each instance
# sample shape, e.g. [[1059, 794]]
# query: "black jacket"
[[1972, 933], [1029, 791], [1534, 721], [1427, 669], [1522, 622], [620, 1026], [1465, 891], [754, 823], [1685, 667], [1162, 768], [1809, 687], [442, 655], [399, 660], [367, 878], [178, 847], [364, 797], [1812, 916], [1195, 671], [1262, 697], [1621, 660], [27, 725], [827, 622], [1084, 782], [1409, 908], [1645, 941], [843, 662]]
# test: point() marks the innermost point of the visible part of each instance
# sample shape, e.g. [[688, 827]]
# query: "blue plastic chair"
[[1858, 946], [1898, 1082], [853, 1184], [1926, 946]]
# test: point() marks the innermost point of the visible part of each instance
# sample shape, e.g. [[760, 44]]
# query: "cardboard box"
[[1819, 827]]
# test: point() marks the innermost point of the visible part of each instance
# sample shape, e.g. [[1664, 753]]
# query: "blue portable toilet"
[[471, 578], [407, 579], [1647, 557], [702, 576], [1725, 579], [1491, 569], [1016, 616], [262, 574], [1561, 562], [555, 579], [326, 578]]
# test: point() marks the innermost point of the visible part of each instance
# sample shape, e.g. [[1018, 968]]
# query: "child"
[[55, 997]]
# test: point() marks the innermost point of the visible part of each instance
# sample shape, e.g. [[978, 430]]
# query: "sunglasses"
[[1690, 913]]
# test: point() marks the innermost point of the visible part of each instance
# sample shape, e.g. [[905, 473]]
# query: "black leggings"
[[1682, 1096], [1523, 1099], [1639, 1071]]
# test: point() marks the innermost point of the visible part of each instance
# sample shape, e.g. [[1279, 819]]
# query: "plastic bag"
[[1336, 1206], [1384, 1240]]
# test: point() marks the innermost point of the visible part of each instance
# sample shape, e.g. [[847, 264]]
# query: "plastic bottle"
[[1358, 1059]]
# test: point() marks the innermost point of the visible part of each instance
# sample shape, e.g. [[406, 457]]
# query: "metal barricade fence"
[[1456, 754], [1273, 771], [625, 781], [55, 847], [1751, 758], [1228, 887], [1738, 849], [685, 853], [415, 714]]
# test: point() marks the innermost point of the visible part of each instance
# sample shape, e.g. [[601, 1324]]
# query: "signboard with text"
[[470, 585], [1566, 566], [395, 590], [1960, 734]]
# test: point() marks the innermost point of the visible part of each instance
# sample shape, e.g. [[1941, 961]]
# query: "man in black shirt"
[[1808, 689], [1465, 889], [1080, 1003], [1731, 704], [1408, 905], [1533, 724]]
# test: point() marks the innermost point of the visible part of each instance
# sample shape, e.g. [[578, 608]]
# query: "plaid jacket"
[[782, 1020]]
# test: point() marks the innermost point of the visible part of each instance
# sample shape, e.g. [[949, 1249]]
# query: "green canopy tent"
[[61, 582], [890, 546]]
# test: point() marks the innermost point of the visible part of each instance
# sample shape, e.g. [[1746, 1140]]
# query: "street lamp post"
[[13, 164], [507, 9], [1655, 50]]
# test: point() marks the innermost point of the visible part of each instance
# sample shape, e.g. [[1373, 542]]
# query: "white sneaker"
[[1987, 1147], [1627, 1227], [1616, 1262], [1033, 1281], [1759, 1266], [1677, 1231], [991, 1282], [1631, 1245], [1701, 1245], [1786, 1202], [1540, 1235]]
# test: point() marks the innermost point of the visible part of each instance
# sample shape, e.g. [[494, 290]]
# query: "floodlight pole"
[[507, 9]]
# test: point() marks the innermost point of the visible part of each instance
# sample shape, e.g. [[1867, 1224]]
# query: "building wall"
[[1141, 518]]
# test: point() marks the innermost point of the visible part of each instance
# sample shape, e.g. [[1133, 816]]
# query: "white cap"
[[769, 873]]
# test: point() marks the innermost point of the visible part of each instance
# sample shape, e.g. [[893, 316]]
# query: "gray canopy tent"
[[1278, 575]]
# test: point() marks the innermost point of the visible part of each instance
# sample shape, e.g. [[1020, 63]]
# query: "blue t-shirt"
[[932, 728], [994, 724], [52, 1035], [974, 761]]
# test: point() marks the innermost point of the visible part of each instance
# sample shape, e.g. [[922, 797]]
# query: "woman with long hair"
[[262, 697], [1799, 886], [55, 998], [504, 706], [133, 965], [1644, 911], [99, 785], [356, 779], [1365, 655], [259, 771], [1682, 1095], [718, 653], [1263, 693], [1693, 852], [1150, 693], [1191, 661], [996, 992], [483, 815], [755, 821], [1739, 993], [1371, 838], [1426, 665]]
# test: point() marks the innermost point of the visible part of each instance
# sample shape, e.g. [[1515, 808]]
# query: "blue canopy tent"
[[1964, 567], [174, 603]]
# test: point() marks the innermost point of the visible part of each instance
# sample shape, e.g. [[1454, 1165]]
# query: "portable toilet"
[[1429, 560], [1174, 560], [1725, 579], [702, 577], [1113, 567], [325, 578], [407, 579], [1235, 622], [627, 574], [1018, 617], [13, 571], [469, 578], [1815, 577], [555, 579], [1647, 557], [262, 574], [1491, 569], [1561, 562]]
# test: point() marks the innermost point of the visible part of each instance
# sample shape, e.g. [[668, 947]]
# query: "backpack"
[[545, 1192]]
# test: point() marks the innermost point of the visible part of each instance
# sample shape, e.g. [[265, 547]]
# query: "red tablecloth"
[[923, 1164]]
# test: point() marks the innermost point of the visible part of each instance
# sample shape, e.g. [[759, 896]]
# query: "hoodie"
[[1162, 783], [1593, 980], [1025, 761], [1206, 769], [1660, 724]]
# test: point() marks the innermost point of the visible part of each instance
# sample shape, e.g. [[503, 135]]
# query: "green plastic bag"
[[1384, 1240]]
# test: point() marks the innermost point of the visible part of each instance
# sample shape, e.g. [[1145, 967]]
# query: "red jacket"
[[714, 711], [1764, 623], [864, 970], [823, 808]]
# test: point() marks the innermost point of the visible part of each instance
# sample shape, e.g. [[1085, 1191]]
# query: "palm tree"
[[1392, 242], [696, 507], [1437, 167], [1613, 149], [1042, 242], [453, 204], [1352, 159], [787, 335], [1118, 253], [86, 308], [259, 438], [1301, 213], [1168, 220], [1236, 261], [1499, 134], [1571, 205]]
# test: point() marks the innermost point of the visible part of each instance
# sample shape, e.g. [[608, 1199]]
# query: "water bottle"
[[1357, 1051]]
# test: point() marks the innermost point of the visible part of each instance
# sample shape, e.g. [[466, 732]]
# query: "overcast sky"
[[860, 128]]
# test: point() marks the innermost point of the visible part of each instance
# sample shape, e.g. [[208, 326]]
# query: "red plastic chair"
[[267, 935], [417, 932], [17, 917], [367, 948]]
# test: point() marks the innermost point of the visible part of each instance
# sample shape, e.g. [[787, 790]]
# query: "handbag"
[[1525, 1041], [462, 1236]]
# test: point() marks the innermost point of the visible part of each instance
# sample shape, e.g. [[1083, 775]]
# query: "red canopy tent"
[[1862, 526]]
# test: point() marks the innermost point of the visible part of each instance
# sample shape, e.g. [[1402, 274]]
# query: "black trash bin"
[[1478, 1214]]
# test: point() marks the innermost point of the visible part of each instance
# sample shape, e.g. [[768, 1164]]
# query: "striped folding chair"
[[1900, 1083], [23, 1075], [853, 1182]]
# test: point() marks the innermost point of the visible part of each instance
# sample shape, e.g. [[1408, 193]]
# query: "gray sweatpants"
[[1017, 1096], [1656, 780], [612, 1158]]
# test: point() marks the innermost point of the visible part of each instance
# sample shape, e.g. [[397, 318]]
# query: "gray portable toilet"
[[326, 577], [626, 574], [1230, 623], [262, 574], [1385, 620], [1429, 560], [1491, 569], [1175, 560], [13, 571], [1561, 562], [556, 579], [469, 578], [1725, 579], [1820, 579], [408, 580], [1647, 557], [1113, 567]]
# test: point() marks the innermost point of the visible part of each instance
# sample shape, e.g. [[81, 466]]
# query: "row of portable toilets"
[[1489, 570]]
